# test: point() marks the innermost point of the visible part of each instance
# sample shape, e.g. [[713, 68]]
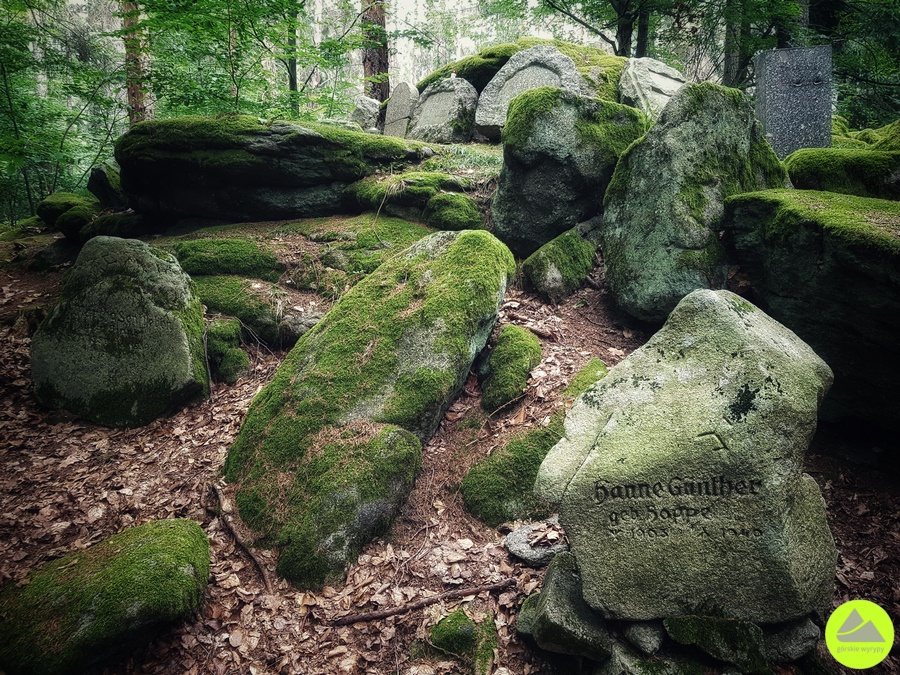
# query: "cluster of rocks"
[[680, 487]]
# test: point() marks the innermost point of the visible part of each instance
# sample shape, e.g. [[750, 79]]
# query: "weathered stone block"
[[445, 112]]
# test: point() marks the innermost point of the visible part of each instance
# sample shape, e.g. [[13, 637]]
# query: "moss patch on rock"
[[499, 488], [394, 351], [478, 70], [51, 208], [125, 224], [847, 143], [459, 636], [737, 642], [240, 257], [75, 610], [560, 267], [227, 361], [453, 211], [413, 188], [515, 353], [889, 137], [864, 173], [252, 301]]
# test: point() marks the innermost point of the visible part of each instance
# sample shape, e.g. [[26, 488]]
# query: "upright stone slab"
[[680, 474], [400, 108], [365, 114], [445, 112], [648, 84], [793, 97], [540, 66]]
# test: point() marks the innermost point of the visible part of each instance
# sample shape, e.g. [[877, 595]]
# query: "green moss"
[[237, 297], [864, 173], [890, 137], [840, 126], [478, 162], [847, 143], [227, 256], [128, 225], [477, 70], [412, 188], [458, 635], [72, 221], [515, 353], [499, 488], [227, 360], [452, 211], [735, 641], [559, 267], [430, 308], [857, 221], [524, 110], [77, 609], [867, 136], [51, 208]]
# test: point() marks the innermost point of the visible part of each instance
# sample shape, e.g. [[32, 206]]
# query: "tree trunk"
[[643, 33], [375, 54], [135, 82], [732, 66], [624, 31]]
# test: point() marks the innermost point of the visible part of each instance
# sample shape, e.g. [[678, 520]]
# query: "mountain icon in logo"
[[856, 629]]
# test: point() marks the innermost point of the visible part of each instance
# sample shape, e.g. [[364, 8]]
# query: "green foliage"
[[77, 609], [240, 257], [515, 353], [499, 488], [864, 173]]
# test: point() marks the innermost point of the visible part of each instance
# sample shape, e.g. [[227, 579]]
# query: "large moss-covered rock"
[[559, 153], [828, 266], [78, 609], [105, 184], [560, 621], [864, 173], [663, 208], [515, 353], [560, 267], [330, 448], [499, 488], [238, 168], [125, 343], [888, 137], [680, 473], [56, 204], [227, 256]]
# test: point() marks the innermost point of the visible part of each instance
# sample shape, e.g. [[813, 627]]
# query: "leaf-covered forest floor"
[[66, 484]]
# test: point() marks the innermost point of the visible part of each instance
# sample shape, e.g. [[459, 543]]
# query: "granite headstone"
[[400, 109], [793, 97], [445, 112]]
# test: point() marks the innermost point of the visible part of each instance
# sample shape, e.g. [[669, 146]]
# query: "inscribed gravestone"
[[400, 107], [540, 66], [680, 474], [648, 84], [793, 97], [444, 112]]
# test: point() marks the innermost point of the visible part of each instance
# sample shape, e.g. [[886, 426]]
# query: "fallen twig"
[[228, 518], [424, 602]]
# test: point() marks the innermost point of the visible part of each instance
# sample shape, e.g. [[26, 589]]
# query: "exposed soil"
[[66, 484]]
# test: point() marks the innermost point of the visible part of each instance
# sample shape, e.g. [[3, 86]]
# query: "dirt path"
[[66, 484]]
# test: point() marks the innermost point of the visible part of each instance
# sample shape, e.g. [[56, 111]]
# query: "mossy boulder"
[[330, 448], [561, 266], [515, 353], [499, 488], [663, 208], [56, 204], [125, 343], [559, 154], [458, 635], [124, 224], [74, 220], [477, 70], [737, 642], [827, 265], [889, 137], [227, 361], [452, 211], [238, 168], [689, 456], [77, 610], [240, 257], [105, 184], [847, 143], [403, 194], [864, 173], [560, 621]]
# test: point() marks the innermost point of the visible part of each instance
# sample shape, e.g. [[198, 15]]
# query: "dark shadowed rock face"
[[236, 168]]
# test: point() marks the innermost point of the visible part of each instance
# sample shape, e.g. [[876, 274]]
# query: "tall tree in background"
[[135, 78], [375, 52]]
